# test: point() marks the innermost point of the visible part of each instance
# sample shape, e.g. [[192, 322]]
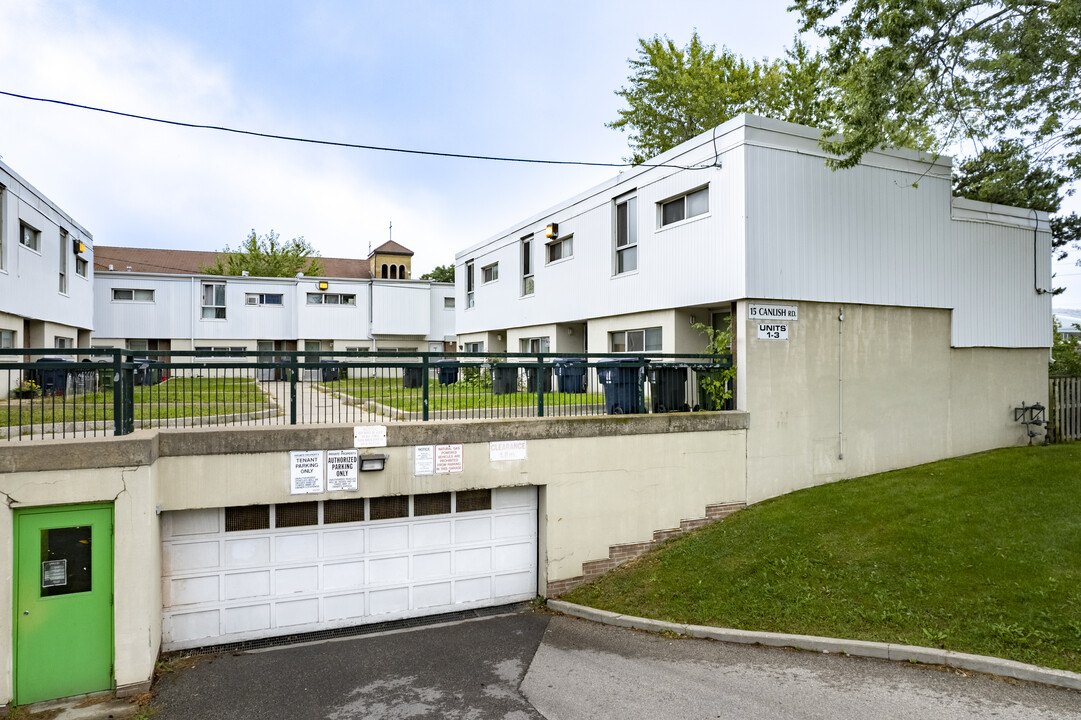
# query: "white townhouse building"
[[147, 299], [879, 322], [46, 270]]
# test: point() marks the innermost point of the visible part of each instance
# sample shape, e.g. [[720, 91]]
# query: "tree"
[[441, 273], [265, 256], [674, 94], [1008, 173], [972, 69], [1065, 353]]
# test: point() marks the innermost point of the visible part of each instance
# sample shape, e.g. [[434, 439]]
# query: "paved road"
[[531, 665]]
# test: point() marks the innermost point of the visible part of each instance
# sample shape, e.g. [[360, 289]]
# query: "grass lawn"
[[174, 398], [979, 554], [456, 396]]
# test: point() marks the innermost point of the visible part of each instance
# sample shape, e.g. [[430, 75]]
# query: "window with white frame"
[[263, 299], [29, 237], [527, 265], [626, 259], [137, 344], [205, 350], [7, 339], [448, 303], [685, 206], [470, 295], [64, 250], [213, 301], [534, 345], [134, 295], [473, 347], [560, 249], [332, 299], [645, 340], [81, 266], [63, 342], [489, 273]]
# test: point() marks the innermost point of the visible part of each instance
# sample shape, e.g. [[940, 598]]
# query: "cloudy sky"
[[506, 78]]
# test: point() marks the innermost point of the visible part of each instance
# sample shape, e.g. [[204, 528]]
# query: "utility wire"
[[356, 146]]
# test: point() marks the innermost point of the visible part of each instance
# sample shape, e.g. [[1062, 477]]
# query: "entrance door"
[[63, 601]]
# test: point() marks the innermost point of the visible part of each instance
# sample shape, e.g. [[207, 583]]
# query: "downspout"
[[371, 311], [191, 315], [840, 384], [1035, 255]]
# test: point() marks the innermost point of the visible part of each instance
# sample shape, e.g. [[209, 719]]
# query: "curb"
[[856, 648]]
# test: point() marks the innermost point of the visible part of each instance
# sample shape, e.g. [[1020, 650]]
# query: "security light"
[[371, 463], [552, 230], [323, 285]]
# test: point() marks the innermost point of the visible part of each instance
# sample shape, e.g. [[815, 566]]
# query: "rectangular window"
[[81, 266], [470, 298], [137, 345], [263, 299], [688, 206], [63, 261], [647, 340], [448, 303], [29, 237], [473, 347], [63, 342], [527, 265], [205, 350], [534, 345], [213, 301], [626, 259], [7, 339], [331, 299], [132, 295], [560, 249], [489, 273]]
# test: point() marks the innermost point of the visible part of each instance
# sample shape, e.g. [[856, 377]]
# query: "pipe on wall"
[[840, 384]]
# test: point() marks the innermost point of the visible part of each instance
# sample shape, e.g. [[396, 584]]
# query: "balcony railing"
[[58, 393]]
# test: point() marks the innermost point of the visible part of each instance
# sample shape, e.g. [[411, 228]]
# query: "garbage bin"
[[448, 371], [531, 379], [412, 377], [105, 379], [620, 386], [504, 379], [148, 372], [53, 381], [331, 372], [570, 374], [709, 373], [668, 387]]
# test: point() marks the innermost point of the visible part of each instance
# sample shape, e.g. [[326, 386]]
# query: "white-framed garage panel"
[[239, 574]]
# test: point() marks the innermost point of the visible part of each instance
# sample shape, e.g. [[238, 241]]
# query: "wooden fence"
[[1064, 423]]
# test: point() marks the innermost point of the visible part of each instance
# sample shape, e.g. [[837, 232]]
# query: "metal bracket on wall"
[[1029, 415]]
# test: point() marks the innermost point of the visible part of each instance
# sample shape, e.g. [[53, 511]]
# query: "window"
[[7, 338], [527, 265], [213, 301], [473, 347], [29, 237], [63, 261], [331, 299], [448, 303], [401, 272], [63, 342], [648, 340], [688, 206], [263, 299], [627, 235], [560, 249], [534, 345], [81, 266], [489, 273], [470, 298], [205, 350], [134, 295], [137, 345]]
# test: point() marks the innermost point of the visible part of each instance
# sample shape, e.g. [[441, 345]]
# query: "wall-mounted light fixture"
[[692, 319], [78, 246], [552, 230], [372, 463], [323, 284]]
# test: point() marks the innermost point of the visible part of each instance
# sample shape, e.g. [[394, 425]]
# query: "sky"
[[520, 79]]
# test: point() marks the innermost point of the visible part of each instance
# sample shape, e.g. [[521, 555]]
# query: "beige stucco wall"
[[908, 397]]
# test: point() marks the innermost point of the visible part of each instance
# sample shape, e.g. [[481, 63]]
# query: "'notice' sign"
[[760, 312], [305, 472]]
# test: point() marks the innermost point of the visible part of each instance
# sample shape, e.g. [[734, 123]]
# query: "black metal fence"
[[86, 392]]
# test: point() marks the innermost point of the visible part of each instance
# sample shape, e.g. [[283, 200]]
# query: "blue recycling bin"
[[53, 381], [448, 371], [620, 386], [570, 374]]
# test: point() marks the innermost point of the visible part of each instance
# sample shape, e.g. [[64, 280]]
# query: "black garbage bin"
[[53, 381], [448, 371], [147, 371], [504, 379], [412, 377], [620, 382], [332, 371], [709, 373], [531, 379], [570, 374], [668, 387]]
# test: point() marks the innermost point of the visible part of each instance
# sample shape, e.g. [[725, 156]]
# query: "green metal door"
[[63, 601]]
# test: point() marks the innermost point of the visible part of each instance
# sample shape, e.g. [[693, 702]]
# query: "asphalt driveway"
[[533, 665]]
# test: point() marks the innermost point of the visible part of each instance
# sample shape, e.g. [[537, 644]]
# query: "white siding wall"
[[169, 316], [442, 318], [401, 309], [332, 321]]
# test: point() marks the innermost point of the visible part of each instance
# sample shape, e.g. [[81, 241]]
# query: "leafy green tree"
[[972, 69], [441, 273], [266, 256], [1065, 353]]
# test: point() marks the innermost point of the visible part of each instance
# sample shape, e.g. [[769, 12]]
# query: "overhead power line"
[[333, 143]]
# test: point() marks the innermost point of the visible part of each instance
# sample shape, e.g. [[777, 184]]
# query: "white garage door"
[[232, 574]]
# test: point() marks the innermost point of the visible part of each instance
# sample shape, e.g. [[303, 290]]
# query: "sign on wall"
[[305, 472], [761, 312], [342, 470], [369, 436], [448, 459], [772, 331], [424, 459], [507, 450]]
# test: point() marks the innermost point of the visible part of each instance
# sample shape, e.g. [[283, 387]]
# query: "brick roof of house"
[[191, 262]]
